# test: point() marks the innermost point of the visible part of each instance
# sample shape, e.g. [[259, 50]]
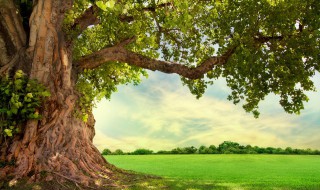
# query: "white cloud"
[[169, 116]]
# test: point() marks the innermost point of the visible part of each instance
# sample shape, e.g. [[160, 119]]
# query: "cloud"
[[130, 143], [161, 114]]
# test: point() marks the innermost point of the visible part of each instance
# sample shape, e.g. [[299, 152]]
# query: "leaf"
[[45, 94], [110, 4], [101, 5], [104, 6], [14, 110], [8, 132], [9, 113], [19, 74]]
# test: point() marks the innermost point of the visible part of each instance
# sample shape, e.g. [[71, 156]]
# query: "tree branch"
[[153, 9], [121, 54], [12, 35], [88, 18], [262, 39], [126, 18]]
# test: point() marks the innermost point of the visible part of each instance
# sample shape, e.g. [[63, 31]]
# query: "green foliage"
[[20, 99], [142, 151], [106, 151], [118, 152], [207, 150], [226, 147], [276, 44], [105, 5], [184, 150], [102, 82]]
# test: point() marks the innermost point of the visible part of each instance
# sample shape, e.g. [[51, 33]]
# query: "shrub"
[[118, 152], [142, 151], [106, 152]]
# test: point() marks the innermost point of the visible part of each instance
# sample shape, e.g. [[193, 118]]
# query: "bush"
[[142, 151], [106, 152], [118, 152], [164, 152]]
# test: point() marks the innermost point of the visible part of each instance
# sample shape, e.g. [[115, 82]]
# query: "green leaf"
[[110, 4], [101, 5], [8, 132], [14, 110], [45, 94], [19, 74]]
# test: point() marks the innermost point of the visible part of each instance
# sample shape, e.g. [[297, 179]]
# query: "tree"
[[81, 50], [189, 150], [164, 152], [106, 151], [228, 147], [118, 152], [288, 150], [213, 149], [142, 151], [250, 150], [177, 151], [203, 150]]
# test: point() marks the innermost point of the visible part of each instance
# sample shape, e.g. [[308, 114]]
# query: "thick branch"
[[153, 9], [119, 53], [262, 39], [12, 35], [88, 18], [126, 18]]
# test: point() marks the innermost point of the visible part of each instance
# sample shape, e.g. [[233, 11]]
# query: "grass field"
[[195, 172]]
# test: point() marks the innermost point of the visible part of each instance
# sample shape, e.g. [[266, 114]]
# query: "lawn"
[[226, 171]]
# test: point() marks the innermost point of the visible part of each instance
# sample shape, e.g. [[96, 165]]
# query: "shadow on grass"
[[176, 184], [180, 184], [137, 181]]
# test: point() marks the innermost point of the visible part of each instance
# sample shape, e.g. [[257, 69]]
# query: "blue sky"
[[160, 114]]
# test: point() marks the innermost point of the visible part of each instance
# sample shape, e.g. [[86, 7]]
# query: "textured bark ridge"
[[12, 38], [59, 145]]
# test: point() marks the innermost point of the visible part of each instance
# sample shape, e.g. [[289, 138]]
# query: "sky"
[[161, 114]]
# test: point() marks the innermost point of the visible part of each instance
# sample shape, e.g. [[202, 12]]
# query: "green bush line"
[[227, 147]]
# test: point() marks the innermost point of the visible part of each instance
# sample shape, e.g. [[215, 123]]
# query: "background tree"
[[118, 152], [106, 151], [81, 50], [190, 150], [213, 149], [203, 150], [228, 147], [141, 151]]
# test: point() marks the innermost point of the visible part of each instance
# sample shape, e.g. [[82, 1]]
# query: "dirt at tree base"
[[121, 180]]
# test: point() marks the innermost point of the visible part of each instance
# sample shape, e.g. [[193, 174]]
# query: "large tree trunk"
[[60, 144]]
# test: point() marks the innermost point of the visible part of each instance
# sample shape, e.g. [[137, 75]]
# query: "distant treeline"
[[227, 147]]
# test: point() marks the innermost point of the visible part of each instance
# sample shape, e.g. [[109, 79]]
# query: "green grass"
[[226, 171]]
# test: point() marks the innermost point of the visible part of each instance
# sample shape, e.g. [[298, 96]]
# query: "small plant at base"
[[20, 99]]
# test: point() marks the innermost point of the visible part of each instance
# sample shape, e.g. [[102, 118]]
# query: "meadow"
[[196, 172]]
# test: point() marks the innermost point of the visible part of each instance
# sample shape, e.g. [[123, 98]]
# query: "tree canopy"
[[81, 50], [260, 48]]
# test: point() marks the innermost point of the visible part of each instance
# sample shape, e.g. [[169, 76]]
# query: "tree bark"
[[60, 144], [120, 53]]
